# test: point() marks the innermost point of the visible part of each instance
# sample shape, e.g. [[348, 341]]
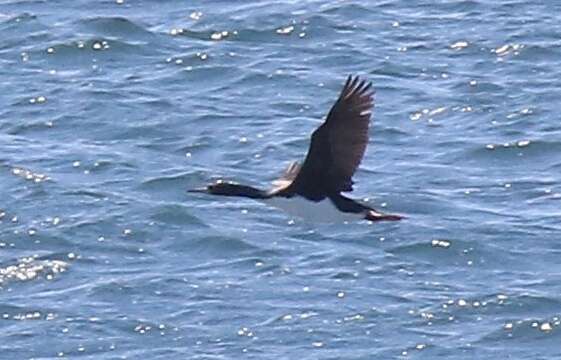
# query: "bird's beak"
[[203, 190]]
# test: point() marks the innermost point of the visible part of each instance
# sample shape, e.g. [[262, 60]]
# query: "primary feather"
[[338, 145]]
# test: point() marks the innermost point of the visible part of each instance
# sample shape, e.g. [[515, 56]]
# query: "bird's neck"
[[246, 191]]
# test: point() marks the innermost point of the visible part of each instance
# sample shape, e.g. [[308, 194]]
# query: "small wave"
[[532, 330], [23, 19], [163, 182], [81, 51], [533, 53], [277, 34], [87, 193], [349, 9], [204, 35], [219, 246], [525, 305], [30, 175], [21, 313], [175, 215], [434, 251], [510, 151], [30, 127], [116, 27], [31, 268], [198, 147]]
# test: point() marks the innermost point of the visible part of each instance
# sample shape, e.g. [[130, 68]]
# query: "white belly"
[[321, 211]]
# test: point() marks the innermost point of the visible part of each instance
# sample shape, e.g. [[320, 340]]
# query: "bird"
[[313, 189]]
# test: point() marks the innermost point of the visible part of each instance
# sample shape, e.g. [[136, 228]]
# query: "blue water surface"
[[110, 110]]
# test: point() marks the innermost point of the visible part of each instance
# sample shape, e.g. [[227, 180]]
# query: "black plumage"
[[337, 146], [336, 149]]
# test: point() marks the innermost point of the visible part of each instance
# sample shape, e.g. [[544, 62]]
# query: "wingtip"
[[348, 81], [355, 85]]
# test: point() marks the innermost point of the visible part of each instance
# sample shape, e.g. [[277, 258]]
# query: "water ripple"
[[111, 110]]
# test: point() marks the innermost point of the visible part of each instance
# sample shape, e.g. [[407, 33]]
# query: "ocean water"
[[110, 110]]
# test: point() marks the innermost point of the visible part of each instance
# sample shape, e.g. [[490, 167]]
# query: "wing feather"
[[348, 121], [338, 145]]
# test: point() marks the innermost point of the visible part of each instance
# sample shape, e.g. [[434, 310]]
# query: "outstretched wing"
[[348, 123], [338, 145]]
